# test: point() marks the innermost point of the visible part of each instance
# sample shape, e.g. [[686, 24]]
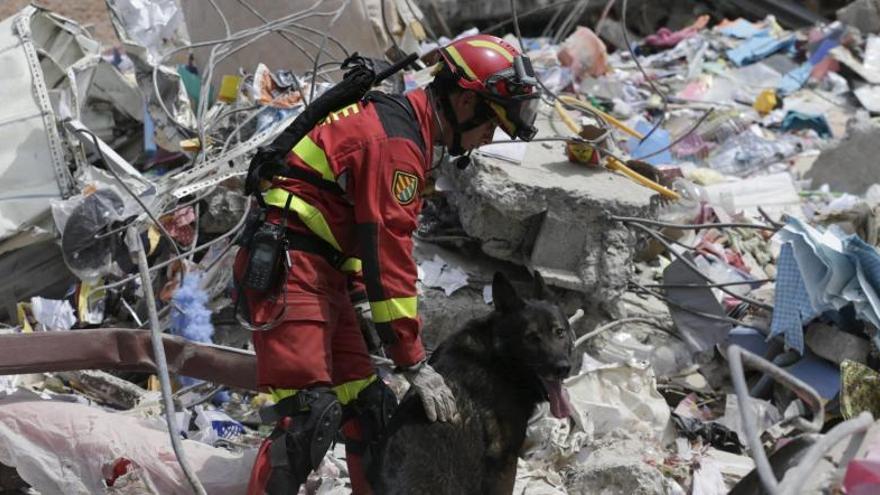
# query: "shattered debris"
[[707, 191]]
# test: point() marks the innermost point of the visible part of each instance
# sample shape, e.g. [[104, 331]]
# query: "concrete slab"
[[851, 166], [550, 215]]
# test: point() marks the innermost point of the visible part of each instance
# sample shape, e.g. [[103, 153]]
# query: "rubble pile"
[[707, 194]]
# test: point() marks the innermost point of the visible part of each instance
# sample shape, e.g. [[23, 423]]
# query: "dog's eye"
[[559, 332], [533, 338]]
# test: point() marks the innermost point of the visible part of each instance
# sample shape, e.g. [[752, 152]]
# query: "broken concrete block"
[[550, 215], [851, 166], [620, 465], [836, 345], [863, 14]]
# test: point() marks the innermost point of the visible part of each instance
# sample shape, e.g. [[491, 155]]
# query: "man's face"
[[465, 104]]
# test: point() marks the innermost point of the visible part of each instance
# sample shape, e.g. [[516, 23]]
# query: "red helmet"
[[502, 75]]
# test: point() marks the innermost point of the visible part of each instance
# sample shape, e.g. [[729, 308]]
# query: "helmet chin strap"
[[458, 128]]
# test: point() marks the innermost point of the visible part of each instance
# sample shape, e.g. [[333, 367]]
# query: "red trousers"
[[318, 341]]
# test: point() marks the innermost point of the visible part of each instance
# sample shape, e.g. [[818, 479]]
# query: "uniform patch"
[[404, 186]]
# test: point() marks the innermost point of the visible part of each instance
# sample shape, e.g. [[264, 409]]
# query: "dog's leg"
[[503, 484]]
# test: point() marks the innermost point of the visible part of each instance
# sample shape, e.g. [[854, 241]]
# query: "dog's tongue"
[[560, 407]]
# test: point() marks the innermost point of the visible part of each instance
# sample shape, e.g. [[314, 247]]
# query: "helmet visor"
[[516, 116]]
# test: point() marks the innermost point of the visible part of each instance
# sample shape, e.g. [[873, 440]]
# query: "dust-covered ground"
[[90, 13]]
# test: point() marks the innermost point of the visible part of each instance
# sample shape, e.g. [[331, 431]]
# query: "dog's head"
[[535, 334]]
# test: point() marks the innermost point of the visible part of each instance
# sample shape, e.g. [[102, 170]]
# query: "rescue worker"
[[351, 206]]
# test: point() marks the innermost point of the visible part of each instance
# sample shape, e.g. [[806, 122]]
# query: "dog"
[[499, 367]]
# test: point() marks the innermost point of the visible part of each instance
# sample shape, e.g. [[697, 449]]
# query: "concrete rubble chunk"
[[863, 14], [550, 215], [851, 166]]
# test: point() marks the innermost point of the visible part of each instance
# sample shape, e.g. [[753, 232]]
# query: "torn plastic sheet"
[[439, 273], [619, 396], [156, 27], [52, 314], [60, 447]]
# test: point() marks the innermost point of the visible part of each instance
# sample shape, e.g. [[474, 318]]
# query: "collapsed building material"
[[59, 447], [124, 349], [528, 210]]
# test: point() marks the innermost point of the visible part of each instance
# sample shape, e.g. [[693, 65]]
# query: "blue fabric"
[[794, 121], [791, 307], [794, 79], [757, 48], [656, 141], [742, 29]]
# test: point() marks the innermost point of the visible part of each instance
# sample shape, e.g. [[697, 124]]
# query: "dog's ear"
[[541, 291], [504, 295]]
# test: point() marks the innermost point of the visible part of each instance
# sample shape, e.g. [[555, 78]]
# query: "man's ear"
[[541, 291], [504, 295]]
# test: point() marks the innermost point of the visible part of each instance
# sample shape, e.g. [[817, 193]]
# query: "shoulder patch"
[[404, 186]]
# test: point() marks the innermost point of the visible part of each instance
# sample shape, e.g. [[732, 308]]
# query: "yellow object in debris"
[[766, 101], [586, 106], [418, 30], [191, 145], [614, 164], [229, 89], [21, 310], [153, 384]]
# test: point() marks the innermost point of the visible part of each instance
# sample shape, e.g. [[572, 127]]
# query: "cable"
[[222, 17], [680, 138], [689, 309], [234, 231], [644, 74], [684, 226], [604, 15], [699, 286], [128, 190], [385, 25], [324, 45], [696, 270], [535, 10], [587, 336], [523, 49], [162, 363]]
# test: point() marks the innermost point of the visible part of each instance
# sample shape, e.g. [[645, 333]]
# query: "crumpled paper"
[[53, 314], [619, 396], [439, 273]]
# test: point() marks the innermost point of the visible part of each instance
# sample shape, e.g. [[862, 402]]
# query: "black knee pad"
[[305, 431], [373, 406]]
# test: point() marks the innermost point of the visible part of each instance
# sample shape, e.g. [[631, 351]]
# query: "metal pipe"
[[698, 226], [161, 362], [756, 449], [794, 479]]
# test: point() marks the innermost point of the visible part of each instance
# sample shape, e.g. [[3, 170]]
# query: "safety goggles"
[[514, 98]]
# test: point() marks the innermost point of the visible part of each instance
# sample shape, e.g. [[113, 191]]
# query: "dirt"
[[90, 13]]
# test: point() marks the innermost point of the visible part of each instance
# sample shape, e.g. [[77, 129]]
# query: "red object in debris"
[[862, 477], [119, 468]]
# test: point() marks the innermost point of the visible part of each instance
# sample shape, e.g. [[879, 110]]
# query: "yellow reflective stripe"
[[314, 156], [278, 394], [505, 122], [492, 46], [345, 392], [351, 265], [309, 215], [394, 309], [349, 391], [459, 60]]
